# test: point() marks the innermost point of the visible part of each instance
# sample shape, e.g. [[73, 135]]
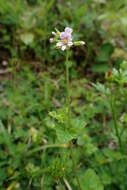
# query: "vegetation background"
[[34, 151]]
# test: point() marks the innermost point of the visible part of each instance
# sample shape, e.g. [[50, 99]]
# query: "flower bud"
[[51, 40], [79, 43], [82, 43], [54, 33]]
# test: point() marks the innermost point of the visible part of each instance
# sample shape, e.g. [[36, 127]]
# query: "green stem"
[[45, 147], [68, 118], [116, 125], [68, 92]]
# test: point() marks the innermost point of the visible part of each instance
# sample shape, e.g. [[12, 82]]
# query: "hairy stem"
[[68, 90], [68, 119]]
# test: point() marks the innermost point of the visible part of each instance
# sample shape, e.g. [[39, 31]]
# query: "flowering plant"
[[64, 39]]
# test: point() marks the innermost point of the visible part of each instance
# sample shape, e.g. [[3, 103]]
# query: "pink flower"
[[65, 39]]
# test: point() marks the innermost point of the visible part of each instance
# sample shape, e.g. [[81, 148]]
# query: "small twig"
[[2, 72], [67, 184]]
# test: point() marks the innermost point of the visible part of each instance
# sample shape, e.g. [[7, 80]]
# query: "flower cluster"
[[63, 39]]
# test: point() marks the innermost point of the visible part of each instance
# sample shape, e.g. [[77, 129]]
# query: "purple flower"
[[65, 39]]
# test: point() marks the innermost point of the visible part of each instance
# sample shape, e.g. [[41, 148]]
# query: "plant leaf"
[[91, 181]]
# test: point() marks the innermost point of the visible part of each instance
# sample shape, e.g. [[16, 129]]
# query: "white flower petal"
[[70, 44], [59, 44], [68, 30], [63, 48], [63, 35]]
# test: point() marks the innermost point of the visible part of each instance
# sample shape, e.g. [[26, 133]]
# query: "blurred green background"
[[26, 26]]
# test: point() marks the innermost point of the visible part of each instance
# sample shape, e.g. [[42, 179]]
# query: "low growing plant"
[[64, 42]]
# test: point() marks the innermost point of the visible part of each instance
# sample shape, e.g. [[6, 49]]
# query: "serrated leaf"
[[27, 38], [63, 135], [91, 181]]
